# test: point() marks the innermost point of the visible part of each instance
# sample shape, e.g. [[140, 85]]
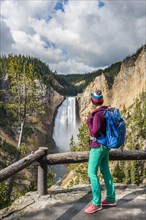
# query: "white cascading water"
[[66, 124]]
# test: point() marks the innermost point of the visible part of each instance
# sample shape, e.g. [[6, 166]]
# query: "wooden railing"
[[44, 159]]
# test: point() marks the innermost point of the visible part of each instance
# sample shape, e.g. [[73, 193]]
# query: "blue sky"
[[73, 36]]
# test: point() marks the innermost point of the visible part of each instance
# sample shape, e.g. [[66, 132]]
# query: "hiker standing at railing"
[[99, 157]]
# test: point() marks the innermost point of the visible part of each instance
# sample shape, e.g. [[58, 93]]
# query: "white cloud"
[[34, 46], [6, 40], [82, 38], [72, 66]]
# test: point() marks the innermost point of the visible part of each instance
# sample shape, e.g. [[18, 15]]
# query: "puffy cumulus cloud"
[[17, 18], [133, 8], [6, 40], [34, 46], [17, 13], [72, 66], [76, 36]]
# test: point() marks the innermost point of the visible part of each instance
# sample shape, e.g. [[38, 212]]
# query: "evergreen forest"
[[67, 85]]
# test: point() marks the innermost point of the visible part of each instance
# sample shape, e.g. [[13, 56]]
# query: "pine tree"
[[83, 145], [136, 133], [51, 178], [83, 138], [127, 168], [134, 173], [72, 144], [24, 100], [118, 173]]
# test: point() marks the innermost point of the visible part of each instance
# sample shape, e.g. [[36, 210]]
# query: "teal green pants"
[[99, 158]]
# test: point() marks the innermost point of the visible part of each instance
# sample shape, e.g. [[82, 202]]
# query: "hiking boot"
[[92, 208], [108, 203]]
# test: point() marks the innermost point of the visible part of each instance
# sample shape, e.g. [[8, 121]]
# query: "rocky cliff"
[[43, 129], [40, 127], [128, 84]]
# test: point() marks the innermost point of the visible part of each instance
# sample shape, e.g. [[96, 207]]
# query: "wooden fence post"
[[42, 175]]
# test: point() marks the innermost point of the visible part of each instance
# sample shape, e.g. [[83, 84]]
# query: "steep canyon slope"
[[128, 85], [38, 127]]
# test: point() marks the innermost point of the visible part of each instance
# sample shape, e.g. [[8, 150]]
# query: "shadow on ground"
[[131, 206]]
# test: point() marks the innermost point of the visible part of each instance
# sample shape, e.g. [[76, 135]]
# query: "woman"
[[99, 157]]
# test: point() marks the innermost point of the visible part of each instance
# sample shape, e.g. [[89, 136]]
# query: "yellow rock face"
[[128, 84]]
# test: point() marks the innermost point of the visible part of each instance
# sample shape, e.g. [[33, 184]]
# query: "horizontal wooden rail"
[[128, 155], [21, 164], [61, 158], [78, 157]]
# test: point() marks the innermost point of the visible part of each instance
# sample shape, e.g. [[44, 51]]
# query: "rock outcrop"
[[41, 125], [70, 204], [43, 129], [128, 84]]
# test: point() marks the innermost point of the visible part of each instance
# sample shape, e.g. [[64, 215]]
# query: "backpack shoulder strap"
[[103, 111]]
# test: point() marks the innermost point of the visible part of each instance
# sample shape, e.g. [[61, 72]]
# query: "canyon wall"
[[41, 125], [128, 84], [43, 129]]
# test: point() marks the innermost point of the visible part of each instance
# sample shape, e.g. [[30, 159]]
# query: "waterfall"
[[66, 124]]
